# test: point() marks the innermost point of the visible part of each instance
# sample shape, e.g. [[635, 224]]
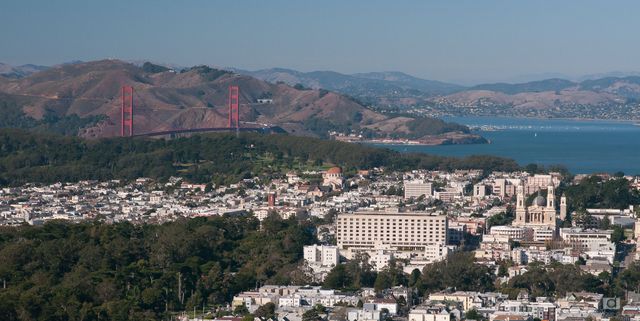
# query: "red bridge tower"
[[126, 124], [234, 107]]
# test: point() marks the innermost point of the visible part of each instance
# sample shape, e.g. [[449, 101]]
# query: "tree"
[[353, 275], [473, 314], [414, 277], [502, 270], [383, 281], [503, 218], [458, 271], [240, 310], [338, 278], [311, 315], [618, 234], [266, 311], [605, 223]]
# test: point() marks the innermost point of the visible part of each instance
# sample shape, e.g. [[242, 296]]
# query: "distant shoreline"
[[633, 121]]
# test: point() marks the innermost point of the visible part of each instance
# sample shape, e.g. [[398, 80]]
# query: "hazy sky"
[[460, 41]]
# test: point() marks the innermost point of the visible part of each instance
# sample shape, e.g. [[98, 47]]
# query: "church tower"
[[563, 207], [521, 210], [551, 197], [550, 214], [520, 196]]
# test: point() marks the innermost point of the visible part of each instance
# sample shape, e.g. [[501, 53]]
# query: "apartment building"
[[417, 188], [323, 255], [415, 232]]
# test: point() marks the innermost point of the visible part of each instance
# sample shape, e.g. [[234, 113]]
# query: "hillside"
[[304, 103], [604, 98], [608, 97], [375, 88], [9, 71], [196, 97], [431, 87], [533, 86]]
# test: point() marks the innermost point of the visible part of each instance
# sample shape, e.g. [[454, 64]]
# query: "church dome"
[[539, 201], [334, 170]]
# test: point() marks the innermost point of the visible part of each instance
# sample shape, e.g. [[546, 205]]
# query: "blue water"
[[581, 146]]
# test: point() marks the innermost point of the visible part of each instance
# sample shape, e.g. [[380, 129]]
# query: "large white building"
[[321, 259], [513, 232], [414, 232], [479, 190], [448, 194], [540, 181], [417, 188], [586, 240], [323, 255], [504, 187]]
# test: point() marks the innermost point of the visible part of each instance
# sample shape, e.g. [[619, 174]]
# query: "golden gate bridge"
[[234, 124]]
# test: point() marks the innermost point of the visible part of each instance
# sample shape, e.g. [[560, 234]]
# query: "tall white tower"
[[551, 197], [563, 207], [521, 210], [520, 196]]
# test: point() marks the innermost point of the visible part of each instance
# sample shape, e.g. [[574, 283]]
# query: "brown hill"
[[534, 100], [604, 98], [193, 98]]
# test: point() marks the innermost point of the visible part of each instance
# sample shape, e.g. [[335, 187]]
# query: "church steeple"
[[551, 197], [520, 196], [563, 207], [521, 210]]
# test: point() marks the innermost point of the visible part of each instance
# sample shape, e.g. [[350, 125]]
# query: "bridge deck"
[[204, 130]]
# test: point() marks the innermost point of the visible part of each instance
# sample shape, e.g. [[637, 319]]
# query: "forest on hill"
[[96, 271], [217, 158]]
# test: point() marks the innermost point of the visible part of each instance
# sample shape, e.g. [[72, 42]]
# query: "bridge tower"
[[234, 107], [126, 124]]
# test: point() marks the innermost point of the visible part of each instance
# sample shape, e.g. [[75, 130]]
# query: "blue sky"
[[459, 41]]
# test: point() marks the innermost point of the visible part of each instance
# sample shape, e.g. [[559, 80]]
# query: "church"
[[542, 211]]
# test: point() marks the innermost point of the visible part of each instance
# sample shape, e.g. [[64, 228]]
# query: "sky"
[[458, 41]]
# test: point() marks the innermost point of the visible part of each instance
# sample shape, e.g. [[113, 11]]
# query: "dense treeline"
[[557, 279], [432, 126], [30, 157], [459, 271], [594, 192], [94, 271]]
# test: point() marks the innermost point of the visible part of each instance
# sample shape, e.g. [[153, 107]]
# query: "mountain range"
[[610, 97], [196, 97], [614, 96], [9, 71]]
